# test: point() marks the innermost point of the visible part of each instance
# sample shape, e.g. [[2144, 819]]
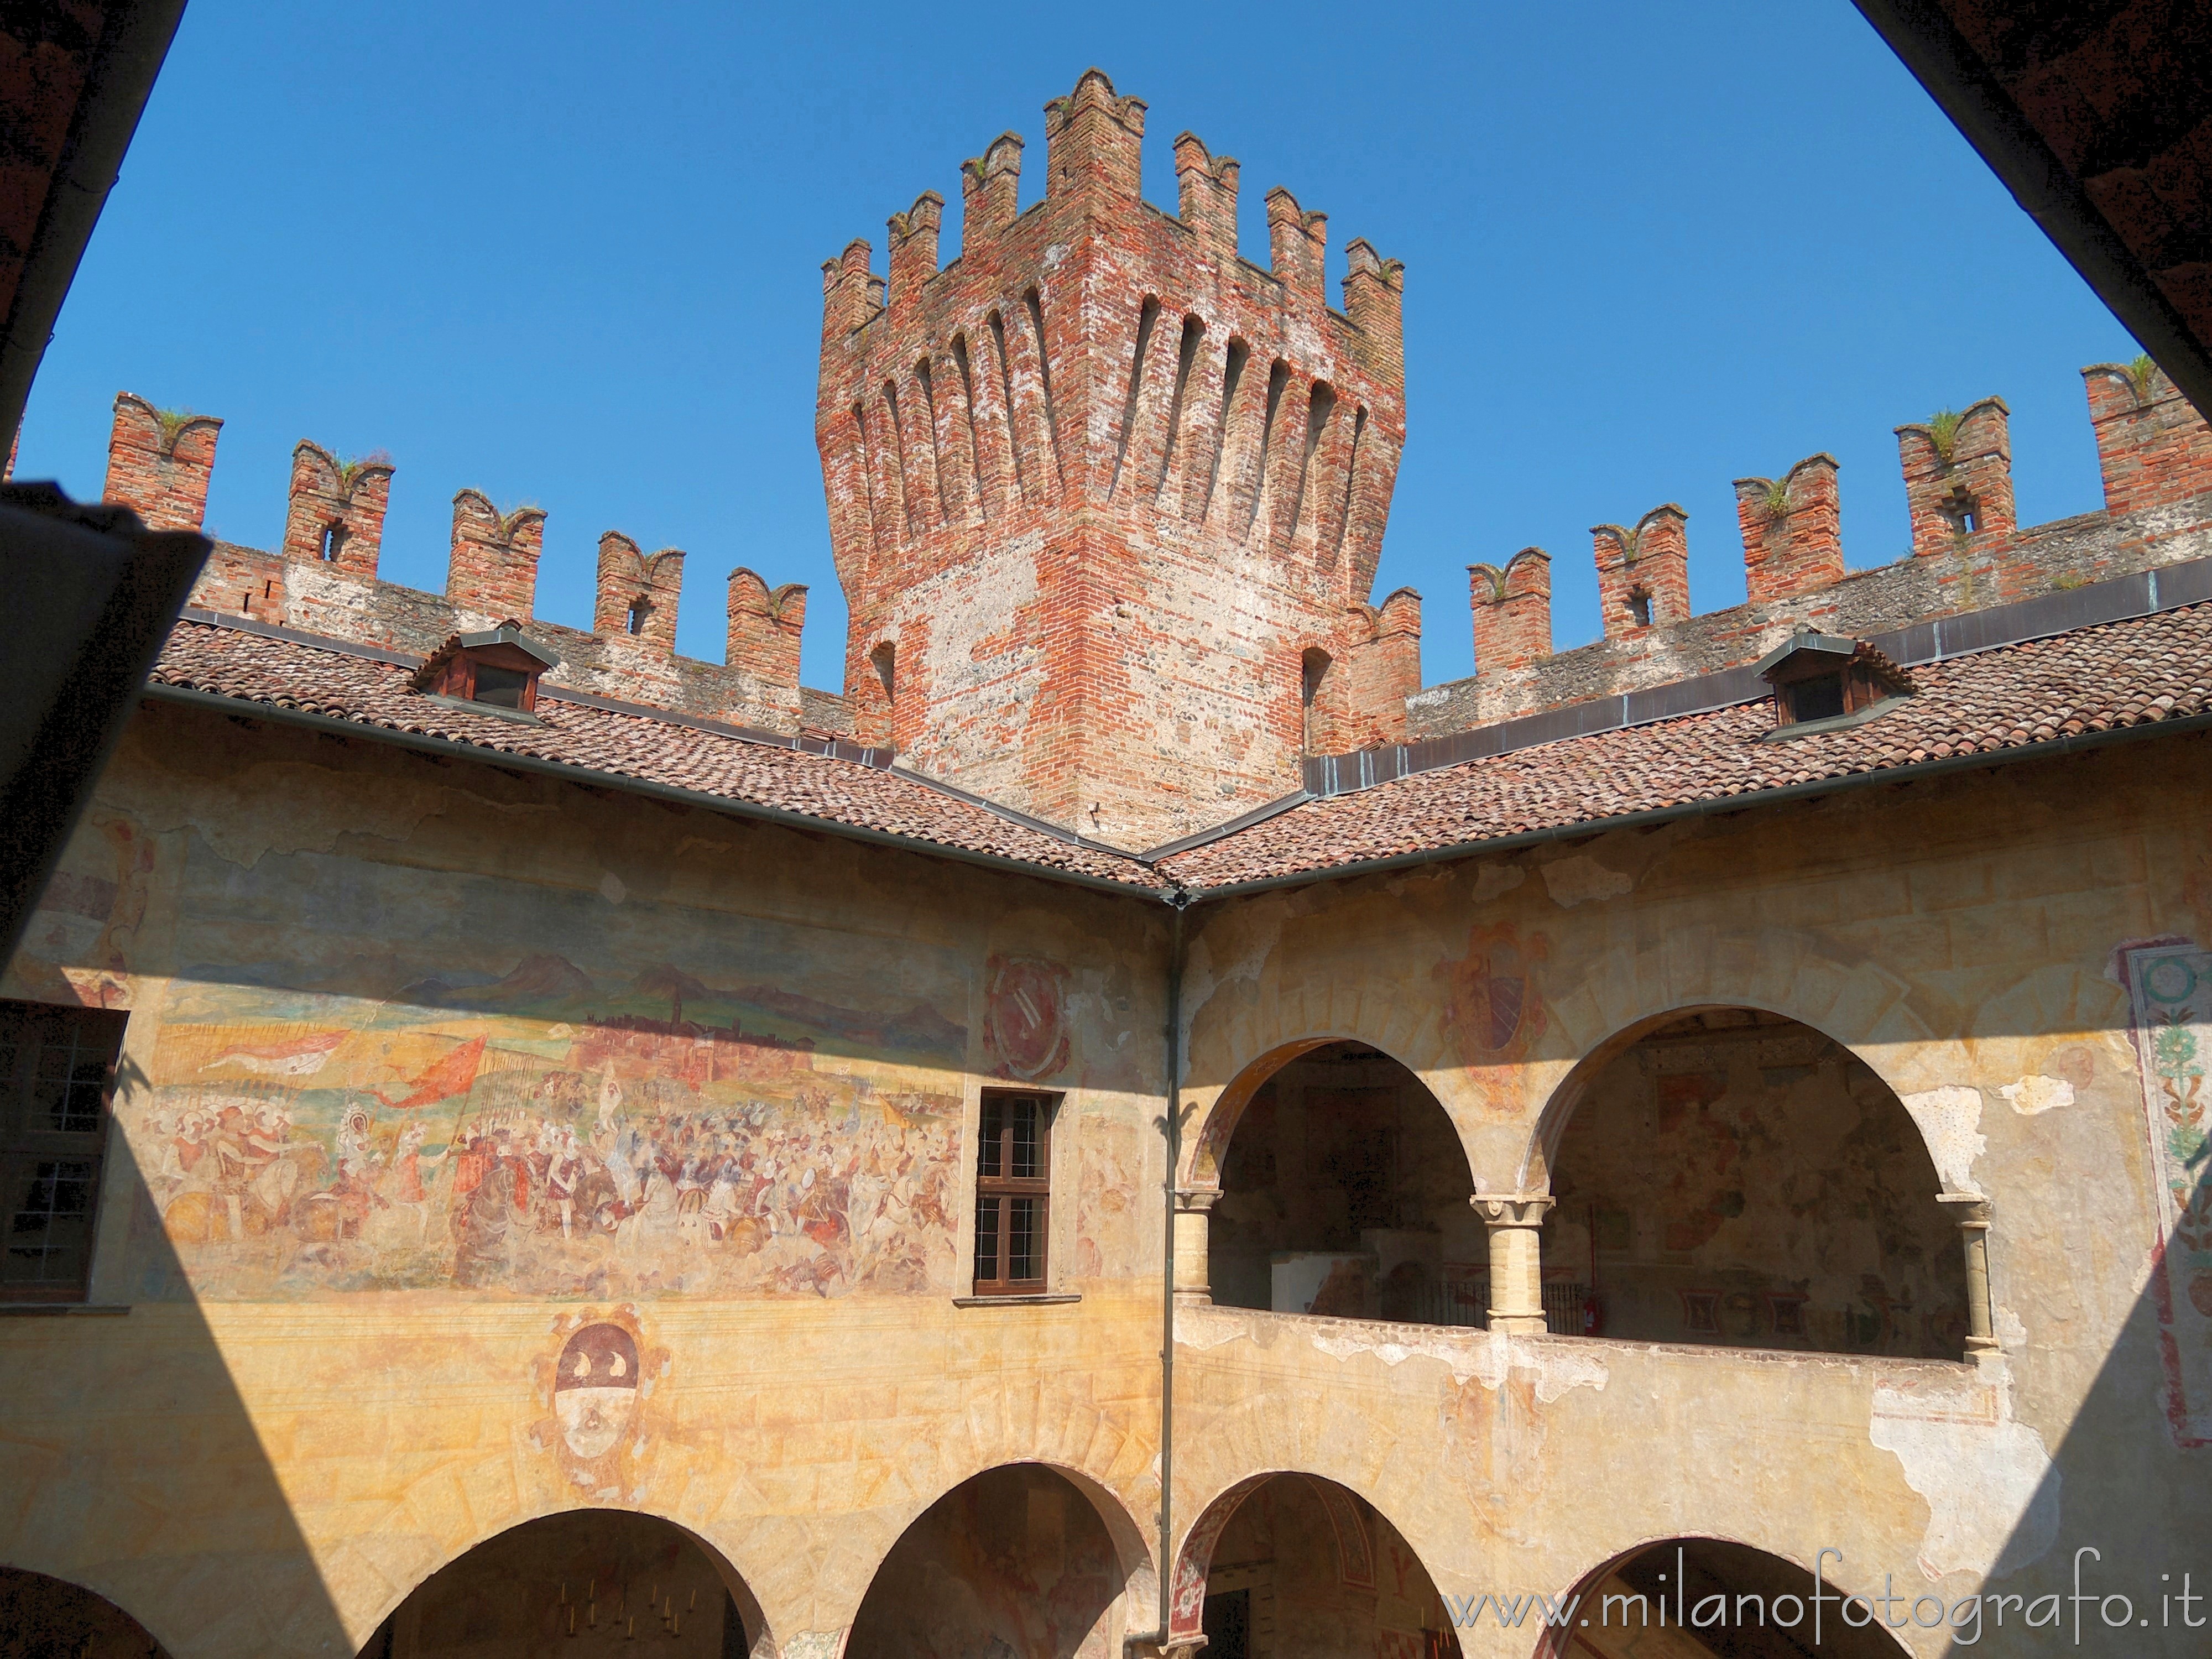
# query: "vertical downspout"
[[1178, 899]]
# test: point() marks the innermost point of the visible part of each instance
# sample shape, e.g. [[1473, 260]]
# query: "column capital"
[[1196, 1200], [1512, 1209], [1968, 1209], [1150, 1644]]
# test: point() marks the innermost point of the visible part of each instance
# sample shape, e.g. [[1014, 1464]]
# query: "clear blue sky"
[[570, 255]]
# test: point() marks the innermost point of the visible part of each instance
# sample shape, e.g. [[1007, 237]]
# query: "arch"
[[1734, 1177], [1748, 1581], [1358, 1534], [1202, 1161], [41, 1613], [545, 1562], [1534, 1172], [963, 1558], [1345, 1191]]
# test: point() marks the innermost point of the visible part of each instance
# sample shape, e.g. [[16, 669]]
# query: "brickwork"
[[1098, 488], [335, 515], [1792, 527], [1512, 610], [765, 629], [1958, 476], [492, 570], [1967, 554], [492, 577], [2153, 446], [1644, 571], [637, 594], [159, 462]]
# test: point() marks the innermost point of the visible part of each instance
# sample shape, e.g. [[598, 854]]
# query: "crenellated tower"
[[1107, 499]]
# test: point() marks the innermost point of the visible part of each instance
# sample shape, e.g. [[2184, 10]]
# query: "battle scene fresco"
[[531, 1125]]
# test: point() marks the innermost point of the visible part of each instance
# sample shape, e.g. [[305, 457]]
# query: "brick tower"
[[1106, 500]]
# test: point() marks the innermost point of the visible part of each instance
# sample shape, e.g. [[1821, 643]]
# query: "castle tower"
[[1106, 500]]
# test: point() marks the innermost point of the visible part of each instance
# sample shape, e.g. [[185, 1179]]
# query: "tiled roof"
[[2090, 680], [371, 689], [2095, 679]]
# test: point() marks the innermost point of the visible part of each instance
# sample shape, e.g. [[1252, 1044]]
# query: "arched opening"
[[40, 1615], [1016, 1562], [580, 1582], [1345, 1191], [1706, 1598], [1282, 1565], [1315, 695], [1732, 1176]]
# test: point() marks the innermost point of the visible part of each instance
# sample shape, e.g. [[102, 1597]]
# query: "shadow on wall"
[[1015, 1560], [1737, 1177], [135, 1475], [595, 1577], [2139, 1444]]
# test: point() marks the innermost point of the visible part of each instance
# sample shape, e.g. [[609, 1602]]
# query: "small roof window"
[[496, 671], [1825, 681]]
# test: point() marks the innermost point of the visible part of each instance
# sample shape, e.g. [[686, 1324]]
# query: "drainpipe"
[[1178, 899]]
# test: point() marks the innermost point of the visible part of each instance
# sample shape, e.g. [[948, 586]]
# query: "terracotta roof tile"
[[2095, 679], [2089, 680], [258, 668]]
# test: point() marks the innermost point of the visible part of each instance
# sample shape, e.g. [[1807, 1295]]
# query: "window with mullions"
[[57, 1069], [1013, 1187]]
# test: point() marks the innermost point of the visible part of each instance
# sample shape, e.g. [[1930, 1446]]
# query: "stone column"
[[1517, 1258], [1972, 1210], [1193, 1205]]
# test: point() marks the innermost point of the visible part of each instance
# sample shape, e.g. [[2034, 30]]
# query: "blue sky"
[[570, 256]]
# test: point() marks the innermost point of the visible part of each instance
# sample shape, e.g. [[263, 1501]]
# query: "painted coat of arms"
[[2169, 986]]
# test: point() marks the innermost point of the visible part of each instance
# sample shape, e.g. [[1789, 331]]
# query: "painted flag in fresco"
[[453, 1074], [302, 1057]]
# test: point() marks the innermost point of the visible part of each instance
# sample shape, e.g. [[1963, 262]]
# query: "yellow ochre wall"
[[291, 1427]]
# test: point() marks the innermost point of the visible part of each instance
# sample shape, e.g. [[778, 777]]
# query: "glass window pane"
[[1024, 1115], [986, 1238], [993, 1137], [1024, 1243], [49, 1237]]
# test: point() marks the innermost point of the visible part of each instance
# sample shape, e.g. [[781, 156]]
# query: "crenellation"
[[492, 570], [637, 595], [1643, 571], [159, 462], [2154, 449], [1512, 611], [1094, 144], [849, 291], [335, 512], [913, 236], [1298, 242], [1206, 187], [1792, 529], [1958, 475], [990, 185]]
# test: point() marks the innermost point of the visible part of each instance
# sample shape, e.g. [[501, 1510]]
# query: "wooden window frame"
[[35, 1148], [999, 1191]]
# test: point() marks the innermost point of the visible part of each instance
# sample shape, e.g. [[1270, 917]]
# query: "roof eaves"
[[253, 708], [1704, 806]]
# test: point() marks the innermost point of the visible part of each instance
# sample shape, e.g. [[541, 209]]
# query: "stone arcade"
[[1135, 1127]]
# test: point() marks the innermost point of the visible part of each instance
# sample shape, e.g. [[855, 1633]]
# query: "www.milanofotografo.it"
[[2089, 1613]]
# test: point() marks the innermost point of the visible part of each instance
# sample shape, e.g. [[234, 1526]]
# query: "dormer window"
[[495, 671], [1823, 682]]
